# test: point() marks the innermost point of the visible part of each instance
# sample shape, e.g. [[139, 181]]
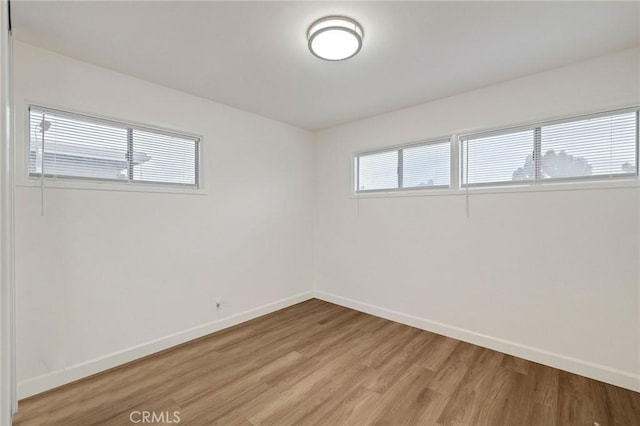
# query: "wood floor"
[[316, 363]]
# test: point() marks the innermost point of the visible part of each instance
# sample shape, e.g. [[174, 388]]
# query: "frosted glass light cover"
[[335, 38]]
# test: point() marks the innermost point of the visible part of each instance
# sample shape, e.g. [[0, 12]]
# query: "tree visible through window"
[[602, 146], [554, 165]]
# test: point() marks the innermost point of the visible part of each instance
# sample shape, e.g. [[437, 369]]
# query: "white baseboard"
[[75, 372], [603, 373], [57, 378]]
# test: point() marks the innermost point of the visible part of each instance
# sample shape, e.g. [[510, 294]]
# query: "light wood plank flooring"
[[316, 363]]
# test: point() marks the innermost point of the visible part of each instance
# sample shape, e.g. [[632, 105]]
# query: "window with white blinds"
[[68, 145], [595, 146], [418, 166]]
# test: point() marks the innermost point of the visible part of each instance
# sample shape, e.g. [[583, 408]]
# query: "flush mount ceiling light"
[[335, 38]]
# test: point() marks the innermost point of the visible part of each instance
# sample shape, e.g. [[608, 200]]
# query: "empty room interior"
[[319, 213]]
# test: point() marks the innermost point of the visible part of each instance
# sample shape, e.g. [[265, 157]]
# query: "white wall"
[[550, 275], [106, 276], [104, 273]]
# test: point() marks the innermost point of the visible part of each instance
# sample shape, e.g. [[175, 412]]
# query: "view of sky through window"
[[65, 145]]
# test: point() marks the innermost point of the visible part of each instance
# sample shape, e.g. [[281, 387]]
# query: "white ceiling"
[[253, 55]]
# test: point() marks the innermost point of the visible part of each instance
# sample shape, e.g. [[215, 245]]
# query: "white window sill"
[[633, 182], [85, 185]]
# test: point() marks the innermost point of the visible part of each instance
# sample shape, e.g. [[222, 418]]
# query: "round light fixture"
[[335, 38]]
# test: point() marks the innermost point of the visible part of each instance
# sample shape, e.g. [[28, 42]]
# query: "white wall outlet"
[[218, 302]]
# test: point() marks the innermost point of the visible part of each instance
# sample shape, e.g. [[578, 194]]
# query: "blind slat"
[[82, 147], [583, 147], [414, 166]]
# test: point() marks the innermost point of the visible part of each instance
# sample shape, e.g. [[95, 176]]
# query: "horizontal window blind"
[[601, 146], [585, 147], [426, 165], [378, 171], [70, 145], [497, 158], [164, 158], [64, 145]]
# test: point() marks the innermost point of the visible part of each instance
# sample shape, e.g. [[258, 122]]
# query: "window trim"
[[536, 147], [71, 182], [399, 148]]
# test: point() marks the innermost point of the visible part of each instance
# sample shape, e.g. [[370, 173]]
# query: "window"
[[419, 166], [597, 146], [69, 145]]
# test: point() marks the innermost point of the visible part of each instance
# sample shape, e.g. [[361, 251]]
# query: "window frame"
[[129, 126], [536, 150], [399, 169]]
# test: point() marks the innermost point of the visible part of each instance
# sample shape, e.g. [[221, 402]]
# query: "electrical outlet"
[[218, 302]]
